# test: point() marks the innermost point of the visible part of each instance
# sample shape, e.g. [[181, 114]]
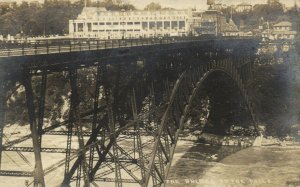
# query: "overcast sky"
[[183, 4]]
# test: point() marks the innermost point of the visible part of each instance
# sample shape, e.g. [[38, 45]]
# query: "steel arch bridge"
[[141, 100]]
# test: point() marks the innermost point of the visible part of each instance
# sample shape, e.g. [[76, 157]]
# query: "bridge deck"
[[67, 46]]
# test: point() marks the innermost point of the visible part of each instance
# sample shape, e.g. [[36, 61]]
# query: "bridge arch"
[[106, 148], [181, 98]]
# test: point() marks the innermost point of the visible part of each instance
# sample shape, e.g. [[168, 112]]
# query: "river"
[[200, 165]]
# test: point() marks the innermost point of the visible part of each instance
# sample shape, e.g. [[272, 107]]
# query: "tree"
[[153, 6]]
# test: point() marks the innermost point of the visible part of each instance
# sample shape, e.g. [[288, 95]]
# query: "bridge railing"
[[71, 45], [37, 47]]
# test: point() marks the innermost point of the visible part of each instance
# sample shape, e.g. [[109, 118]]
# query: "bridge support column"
[[74, 118], [112, 129], [3, 90], [95, 115], [42, 106], [137, 135], [38, 171], [100, 128]]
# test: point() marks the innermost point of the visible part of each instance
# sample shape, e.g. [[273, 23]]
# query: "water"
[[217, 166]]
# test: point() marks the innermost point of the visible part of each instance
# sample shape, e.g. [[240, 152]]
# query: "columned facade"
[[100, 23]]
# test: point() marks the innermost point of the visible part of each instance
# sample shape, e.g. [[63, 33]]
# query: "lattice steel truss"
[[140, 105]]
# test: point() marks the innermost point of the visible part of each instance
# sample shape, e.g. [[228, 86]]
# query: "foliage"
[[52, 18], [259, 14], [57, 99], [153, 6]]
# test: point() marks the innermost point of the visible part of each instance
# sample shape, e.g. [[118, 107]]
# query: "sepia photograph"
[[150, 93]]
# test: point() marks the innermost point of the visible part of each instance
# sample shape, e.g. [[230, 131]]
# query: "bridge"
[[144, 93]]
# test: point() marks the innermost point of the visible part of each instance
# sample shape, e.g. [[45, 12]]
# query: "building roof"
[[244, 4], [285, 32], [283, 24], [90, 12], [95, 12], [231, 26]]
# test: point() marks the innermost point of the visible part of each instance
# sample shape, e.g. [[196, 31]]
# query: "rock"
[[258, 141]]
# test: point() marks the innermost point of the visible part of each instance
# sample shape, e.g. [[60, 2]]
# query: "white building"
[[230, 29], [243, 7], [281, 30], [99, 23]]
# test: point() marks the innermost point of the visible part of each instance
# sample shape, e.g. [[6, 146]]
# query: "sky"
[[183, 4]]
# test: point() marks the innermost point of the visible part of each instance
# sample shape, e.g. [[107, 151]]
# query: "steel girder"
[[167, 94]]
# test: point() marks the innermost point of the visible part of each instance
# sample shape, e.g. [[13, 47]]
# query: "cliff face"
[[276, 95]]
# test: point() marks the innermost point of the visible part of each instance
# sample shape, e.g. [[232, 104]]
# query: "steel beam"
[[95, 113], [161, 128], [38, 172], [3, 87], [42, 106], [75, 116], [138, 137], [31, 149], [70, 125], [114, 180], [112, 129], [16, 173]]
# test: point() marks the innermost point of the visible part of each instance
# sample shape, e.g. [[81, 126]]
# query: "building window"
[[80, 27], [159, 25], [137, 23], [145, 25], [181, 24], [116, 23], [74, 27], [101, 23], [108, 23], [166, 25], [129, 23], [174, 24], [151, 25]]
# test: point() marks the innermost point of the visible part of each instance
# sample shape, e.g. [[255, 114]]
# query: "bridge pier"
[[41, 108], [38, 171], [3, 93]]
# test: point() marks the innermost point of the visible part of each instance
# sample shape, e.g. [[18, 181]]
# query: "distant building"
[[246, 34], [243, 7], [272, 2], [212, 23], [95, 22], [195, 22], [280, 31], [230, 29], [217, 6], [283, 30]]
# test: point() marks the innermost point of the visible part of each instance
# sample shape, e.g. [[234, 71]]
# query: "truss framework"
[[135, 125]]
